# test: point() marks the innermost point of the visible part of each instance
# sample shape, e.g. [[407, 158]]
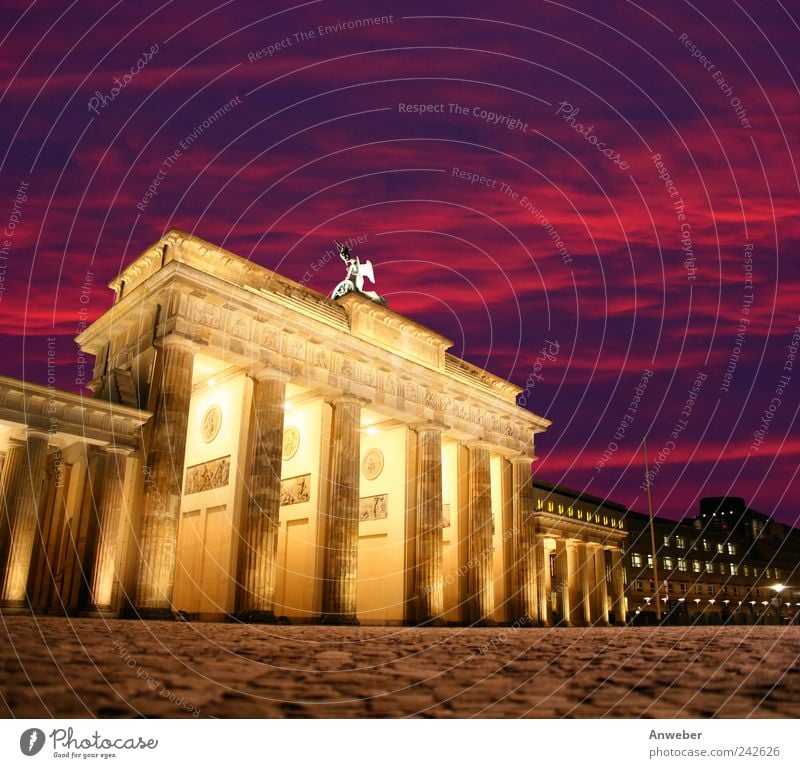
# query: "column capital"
[[346, 398], [478, 443], [429, 426], [522, 459], [122, 450], [176, 340], [29, 432], [262, 372]]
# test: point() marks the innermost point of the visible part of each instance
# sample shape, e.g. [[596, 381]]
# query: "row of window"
[[699, 589], [734, 569], [681, 543], [590, 517]]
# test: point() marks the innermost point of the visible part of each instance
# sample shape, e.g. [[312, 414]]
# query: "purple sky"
[[565, 268]]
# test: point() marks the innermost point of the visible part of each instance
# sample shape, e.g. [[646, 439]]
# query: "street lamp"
[[778, 588]]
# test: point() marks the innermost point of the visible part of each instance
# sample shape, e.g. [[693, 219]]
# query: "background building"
[[729, 564]]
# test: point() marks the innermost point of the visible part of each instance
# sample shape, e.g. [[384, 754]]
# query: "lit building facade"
[[729, 564], [258, 451]]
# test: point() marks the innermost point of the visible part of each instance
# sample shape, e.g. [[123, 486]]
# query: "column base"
[[433, 621], [15, 608], [260, 617], [338, 620], [149, 614], [98, 612], [483, 623]]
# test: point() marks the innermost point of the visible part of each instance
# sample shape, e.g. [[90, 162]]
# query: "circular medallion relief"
[[372, 465], [212, 421], [291, 442]]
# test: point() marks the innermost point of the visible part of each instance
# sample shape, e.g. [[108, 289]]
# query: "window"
[[698, 589], [710, 589], [638, 586], [720, 549], [549, 506], [539, 503], [552, 566], [706, 545], [736, 590], [682, 564], [560, 509], [709, 567], [734, 569], [696, 567], [680, 542], [649, 561], [683, 588], [636, 560], [668, 563], [666, 541], [731, 549], [755, 571], [777, 573], [746, 570]]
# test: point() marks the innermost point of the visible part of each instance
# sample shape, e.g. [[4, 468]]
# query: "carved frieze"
[[208, 475], [295, 490], [373, 507]]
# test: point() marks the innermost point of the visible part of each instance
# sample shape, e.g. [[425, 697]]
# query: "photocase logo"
[[31, 741]]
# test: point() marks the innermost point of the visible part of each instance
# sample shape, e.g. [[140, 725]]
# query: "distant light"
[[711, 600], [372, 430], [287, 406], [212, 382], [779, 588]]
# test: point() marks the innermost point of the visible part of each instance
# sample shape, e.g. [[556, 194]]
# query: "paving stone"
[[81, 668]]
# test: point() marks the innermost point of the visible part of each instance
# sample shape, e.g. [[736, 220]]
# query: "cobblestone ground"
[[88, 667]]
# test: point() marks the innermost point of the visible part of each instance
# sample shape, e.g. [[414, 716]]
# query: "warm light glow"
[[711, 600], [288, 406], [779, 588], [212, 382], [372, 430]]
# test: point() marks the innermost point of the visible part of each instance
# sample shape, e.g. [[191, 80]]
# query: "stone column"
[[600, 587], [585, 579], [109, 503], [481, 546], [341, 567], [574, 585], [23, 475], [524, 552], [262, 518], [617, 588], [542, 580], [564, 577], [429, 547], [163, 481]]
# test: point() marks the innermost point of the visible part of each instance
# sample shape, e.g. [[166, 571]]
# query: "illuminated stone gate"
[[299, 457]]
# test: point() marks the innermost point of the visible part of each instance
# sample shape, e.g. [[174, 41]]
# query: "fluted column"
[[563, 576], [542, 579], [23, 475], [341, 571], [600, 586], [574, 585], [110, 504], [262, 519], [617, 588], [163, 481], [481, 546], [585, 579], [429, 547], [524, 553]]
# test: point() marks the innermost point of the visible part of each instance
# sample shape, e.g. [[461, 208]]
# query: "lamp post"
[[778, 588]]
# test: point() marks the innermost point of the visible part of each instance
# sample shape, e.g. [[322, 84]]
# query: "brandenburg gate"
[[257, 451]]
